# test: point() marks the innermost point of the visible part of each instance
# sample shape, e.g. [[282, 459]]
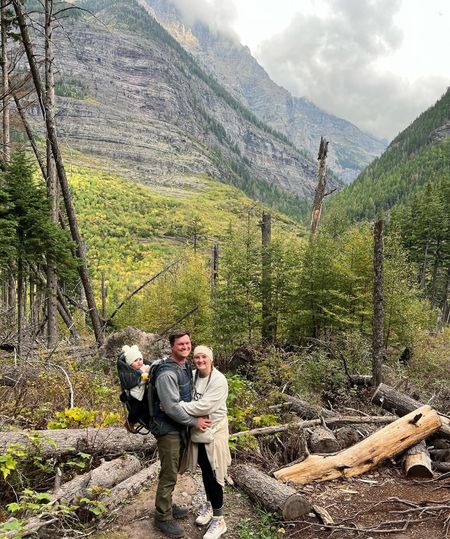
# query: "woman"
[[209, 449]]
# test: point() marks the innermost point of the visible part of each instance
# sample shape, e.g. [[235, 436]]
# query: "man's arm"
[[169, 395]]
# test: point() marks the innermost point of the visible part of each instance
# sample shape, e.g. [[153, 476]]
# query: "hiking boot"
[[216, 529], [204, 515], [169, 528], [179, 511]]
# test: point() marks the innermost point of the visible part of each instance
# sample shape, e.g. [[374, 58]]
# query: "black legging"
[[214, 491]]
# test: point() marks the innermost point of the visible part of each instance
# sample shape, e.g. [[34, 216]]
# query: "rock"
[[146, 342]]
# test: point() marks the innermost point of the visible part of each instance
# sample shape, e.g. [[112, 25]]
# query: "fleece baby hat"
[[131, 353]]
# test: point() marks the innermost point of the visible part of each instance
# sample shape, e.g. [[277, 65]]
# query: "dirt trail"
[[362, 500]]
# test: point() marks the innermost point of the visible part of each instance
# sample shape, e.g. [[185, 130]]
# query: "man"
[[173, 384]]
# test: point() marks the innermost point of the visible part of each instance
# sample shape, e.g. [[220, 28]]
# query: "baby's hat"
[[131, 353]]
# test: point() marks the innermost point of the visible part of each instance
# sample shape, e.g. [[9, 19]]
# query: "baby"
[[134, 359], [133, 374]]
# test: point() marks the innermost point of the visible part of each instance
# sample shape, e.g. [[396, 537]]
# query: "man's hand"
[[203, 423]]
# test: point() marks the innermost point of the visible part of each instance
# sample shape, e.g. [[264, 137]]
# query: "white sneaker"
[[216, 528], [205, 515]]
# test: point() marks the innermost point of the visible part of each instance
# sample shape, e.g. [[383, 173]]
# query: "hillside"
[[298, 118], [131, 232], [418, 155], [129, 94]]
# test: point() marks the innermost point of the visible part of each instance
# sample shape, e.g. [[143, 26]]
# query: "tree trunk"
[[417, 462], [321, 186], [267, 323], [306, 410], [214, 265], [107, 475], [400, 404], [131, 486], [269, 493], [52, 185], [5, 76], [365, 455], [378, 303], [322, 440], [104, 441], [70, 210]]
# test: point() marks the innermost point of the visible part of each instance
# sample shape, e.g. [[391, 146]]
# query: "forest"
[[336, 320]]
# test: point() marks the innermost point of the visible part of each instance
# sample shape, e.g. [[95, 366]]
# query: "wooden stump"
[[365, 455], [269, 493], [322, 440], [417, 462], [346, 437], [400, 404]]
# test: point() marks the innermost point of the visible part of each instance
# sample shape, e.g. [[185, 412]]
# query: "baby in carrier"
[[133, 375]]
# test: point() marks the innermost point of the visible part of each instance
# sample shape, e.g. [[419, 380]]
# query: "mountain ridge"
[[298, 118]]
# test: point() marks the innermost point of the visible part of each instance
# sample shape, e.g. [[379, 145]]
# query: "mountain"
[[129, 94], [418, 155], [300, 120]]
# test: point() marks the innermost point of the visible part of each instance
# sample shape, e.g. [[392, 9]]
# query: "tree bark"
[[322, 440], [306, 410], [378, 303], [52, 185], [131, 486], [321, 186], [365, 455], [417, 462], [5, 88], [70, 210], [400, 404], [269, 493], [356, 420], [104, 441], [267, 324], [107, 475]]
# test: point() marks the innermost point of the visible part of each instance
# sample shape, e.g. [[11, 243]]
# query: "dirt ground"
[[371, 502]]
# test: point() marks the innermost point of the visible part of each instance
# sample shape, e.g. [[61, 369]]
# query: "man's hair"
[[177, 334]]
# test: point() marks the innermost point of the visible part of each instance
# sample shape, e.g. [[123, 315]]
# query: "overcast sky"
[[377, 63]]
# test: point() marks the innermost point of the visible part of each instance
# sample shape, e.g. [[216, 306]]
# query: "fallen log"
[[269, 493], [306, 410], [440, 455], [401, 404], [368, 453], [417, 462], [322, 440], [443, 467], [107, 441], [106, 475], [131, 486], [355, 420]]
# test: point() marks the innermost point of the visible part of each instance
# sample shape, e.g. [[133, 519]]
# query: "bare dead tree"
[[378, 303], [5, 80], [267, 326], [53, 139], [52, 184], [321, 186]]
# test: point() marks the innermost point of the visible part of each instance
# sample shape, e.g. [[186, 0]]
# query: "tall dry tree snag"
[[52, 184], [267, 326], [60, 170], [378, 303], [5, 85], [319, 194]]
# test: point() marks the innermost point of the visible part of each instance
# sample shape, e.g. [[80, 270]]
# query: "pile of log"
[[331, 454]]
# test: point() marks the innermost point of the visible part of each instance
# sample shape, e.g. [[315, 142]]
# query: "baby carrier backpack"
[[137, 412]]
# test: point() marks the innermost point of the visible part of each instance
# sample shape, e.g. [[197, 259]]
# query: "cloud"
[[333, 59], [218, 15]]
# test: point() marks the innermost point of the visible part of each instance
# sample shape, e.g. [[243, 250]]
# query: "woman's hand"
[[203, 423]]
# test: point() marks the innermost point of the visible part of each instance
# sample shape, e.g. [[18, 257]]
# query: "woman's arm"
[[214, 397]]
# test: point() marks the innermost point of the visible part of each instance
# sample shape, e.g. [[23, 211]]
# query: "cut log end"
[[295, 506]]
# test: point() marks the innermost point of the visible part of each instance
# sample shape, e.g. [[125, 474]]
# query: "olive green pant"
[[169, 449]]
